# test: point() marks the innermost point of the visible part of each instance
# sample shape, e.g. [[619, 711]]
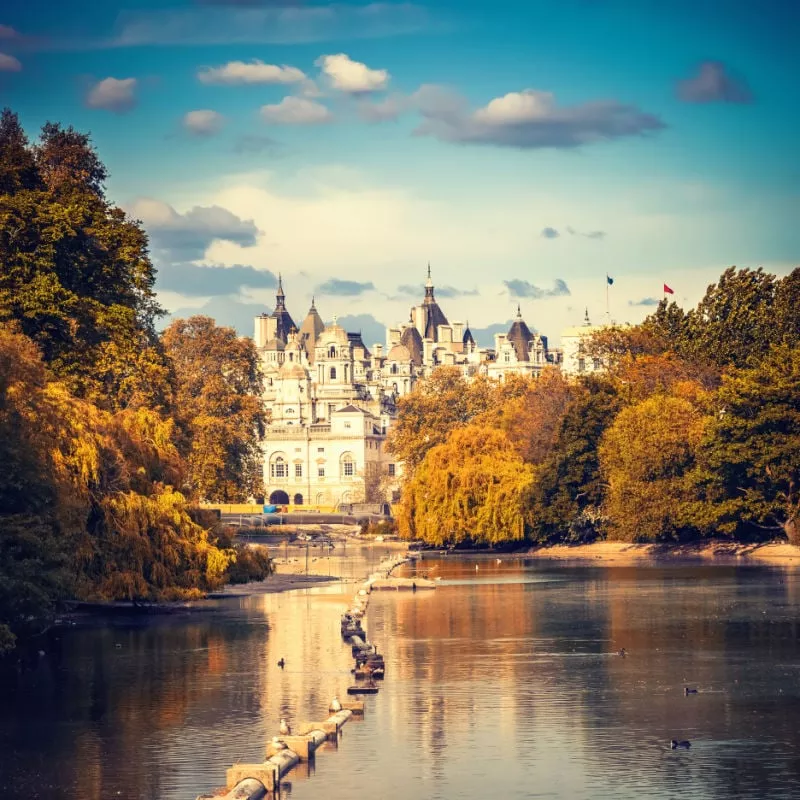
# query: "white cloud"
[[351, 76], [296, 111], [113, 94], [203, 122], [252, 72], [9, 63], [516, 107], [7, 32]]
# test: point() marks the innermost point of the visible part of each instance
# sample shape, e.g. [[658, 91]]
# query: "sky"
[[524, 149]]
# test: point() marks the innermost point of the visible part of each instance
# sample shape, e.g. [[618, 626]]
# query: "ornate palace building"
[[332, 400]]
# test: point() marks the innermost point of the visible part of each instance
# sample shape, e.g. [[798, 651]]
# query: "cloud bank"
[[178, 237], [203, 122], [195, 280], [296, 111], [521, 288], [350, 76], [528, 119], [254, 72], [343, 288]]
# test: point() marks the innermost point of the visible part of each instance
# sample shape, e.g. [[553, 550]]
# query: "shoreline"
[[714, 551]]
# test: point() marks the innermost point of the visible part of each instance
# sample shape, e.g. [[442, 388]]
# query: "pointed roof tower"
[[284, 321], [310, 330], [468, 340], [520, 336], [434, 316], [413, 341]]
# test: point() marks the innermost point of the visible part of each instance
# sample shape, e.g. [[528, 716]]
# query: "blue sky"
[[525, 149]]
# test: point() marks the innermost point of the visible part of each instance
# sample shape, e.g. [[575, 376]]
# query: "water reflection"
[[502, 682]]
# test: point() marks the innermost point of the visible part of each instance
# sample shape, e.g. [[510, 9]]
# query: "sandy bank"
[[623, 553]]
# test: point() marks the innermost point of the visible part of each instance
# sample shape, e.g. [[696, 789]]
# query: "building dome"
[[275, 344], [333, 334], [292, 370], [520, 336], [399, 353], [413, 341]]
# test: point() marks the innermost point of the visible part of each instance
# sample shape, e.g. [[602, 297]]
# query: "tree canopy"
[[218, 407]]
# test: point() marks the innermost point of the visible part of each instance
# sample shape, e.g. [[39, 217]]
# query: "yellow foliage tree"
[[646, 456], [471, 487]]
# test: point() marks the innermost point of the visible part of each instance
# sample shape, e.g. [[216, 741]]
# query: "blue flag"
[[610, 280]]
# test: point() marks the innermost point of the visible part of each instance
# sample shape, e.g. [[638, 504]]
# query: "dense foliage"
[[95, 496], [218, 408], [693, 430]]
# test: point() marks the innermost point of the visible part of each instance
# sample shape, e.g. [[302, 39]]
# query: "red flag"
[[667, 290]]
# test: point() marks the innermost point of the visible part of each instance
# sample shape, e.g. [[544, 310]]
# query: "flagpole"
[[608, 312]]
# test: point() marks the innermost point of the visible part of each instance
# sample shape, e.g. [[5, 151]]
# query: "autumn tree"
[[531, 415], [750, 455], [646, 458], [218, 407], [441, 403], [469, 488]]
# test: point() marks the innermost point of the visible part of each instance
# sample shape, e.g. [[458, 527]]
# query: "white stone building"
[[576, 358]]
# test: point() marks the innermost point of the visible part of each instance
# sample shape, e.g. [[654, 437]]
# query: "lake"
[[503, 682]]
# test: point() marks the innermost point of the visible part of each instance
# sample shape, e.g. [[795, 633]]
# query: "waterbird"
[[285, 730], [687, 690], [282, 662], [622, 652], [685, 744], [336, 705], [278, 744]]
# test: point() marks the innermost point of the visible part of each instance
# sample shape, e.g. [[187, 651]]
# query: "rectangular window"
[[321, 472], [391, 470], [581, 365], [320, 449], [347, 425], [597, 363], [348, 469], [298, 470]]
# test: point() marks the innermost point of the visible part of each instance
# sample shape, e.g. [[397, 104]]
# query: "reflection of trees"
[[540, 657], [87, 717]]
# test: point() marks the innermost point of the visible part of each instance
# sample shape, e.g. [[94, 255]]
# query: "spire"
[[586, 317], [280, 297], [519, 312], [429, 287], [313, 307]]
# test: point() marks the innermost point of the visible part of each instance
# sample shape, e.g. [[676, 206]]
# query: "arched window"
[[394, 369], [279, 468], [298, 499], [333, 373], [348, 465], [332, 352]]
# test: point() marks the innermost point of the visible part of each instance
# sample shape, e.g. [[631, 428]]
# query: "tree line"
[[109, 432], [692, 431]]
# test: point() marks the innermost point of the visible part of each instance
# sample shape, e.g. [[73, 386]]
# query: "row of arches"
[[281, 498]]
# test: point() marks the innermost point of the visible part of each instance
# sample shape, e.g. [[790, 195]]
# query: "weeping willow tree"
[[471, 487], [87, 504]]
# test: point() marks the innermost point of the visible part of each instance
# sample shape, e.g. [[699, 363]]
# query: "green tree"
[[219, 408], [646, 458], [567, 493], [750, 456], [470, 488], [76, 274]]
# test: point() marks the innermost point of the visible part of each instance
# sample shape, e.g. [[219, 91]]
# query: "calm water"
[[500, 683]]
